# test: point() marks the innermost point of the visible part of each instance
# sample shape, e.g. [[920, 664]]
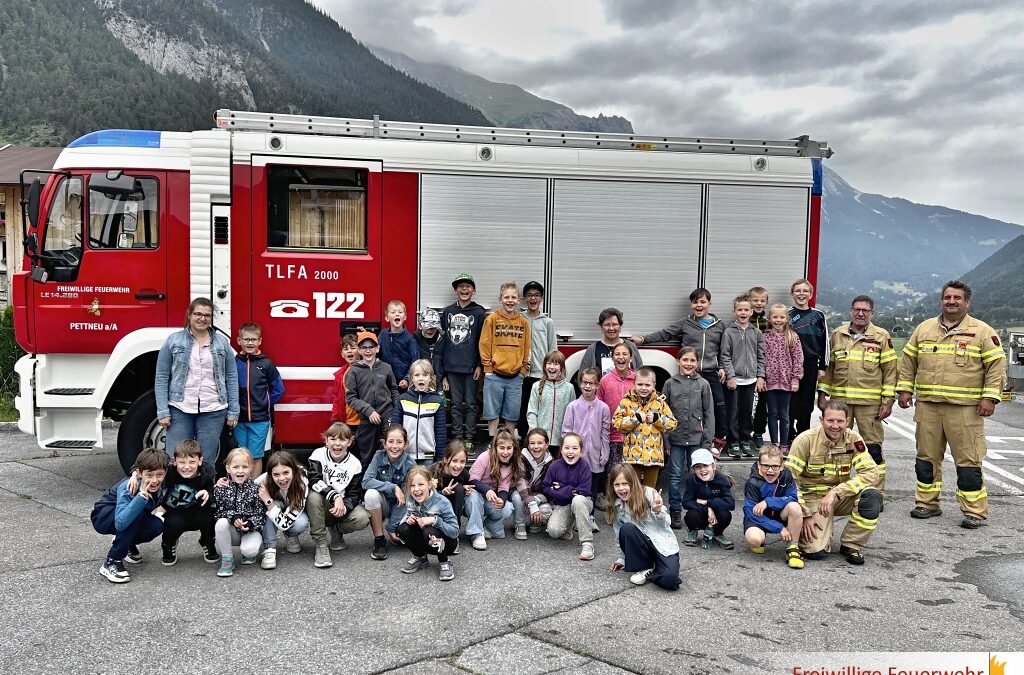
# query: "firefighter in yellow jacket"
[[835, 476], [862, 373], [955, 367]]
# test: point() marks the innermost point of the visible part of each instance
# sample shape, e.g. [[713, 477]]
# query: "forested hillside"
[[68, 67]]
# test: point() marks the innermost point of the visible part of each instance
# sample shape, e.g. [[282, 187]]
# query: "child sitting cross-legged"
[[430, 525], [501, 491]]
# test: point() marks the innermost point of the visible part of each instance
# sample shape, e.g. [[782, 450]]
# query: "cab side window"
[[64, 222], [125, 219], [316, 207]]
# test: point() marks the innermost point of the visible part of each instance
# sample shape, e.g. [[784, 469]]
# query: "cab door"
[[316, 272], [104, 255]]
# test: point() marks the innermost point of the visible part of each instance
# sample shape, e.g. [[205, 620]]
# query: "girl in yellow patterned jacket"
[[642, 417]]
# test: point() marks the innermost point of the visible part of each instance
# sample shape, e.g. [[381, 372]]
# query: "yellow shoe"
[[794, 558], [757, 549]]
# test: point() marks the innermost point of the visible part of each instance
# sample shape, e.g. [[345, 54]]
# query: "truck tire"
[[138, 430]]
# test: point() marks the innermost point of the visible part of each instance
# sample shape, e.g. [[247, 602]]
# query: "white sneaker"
[[337, 539], [488, 535], [269, 561], [641, 577], [479, 542], [521, 531], [587, 551]]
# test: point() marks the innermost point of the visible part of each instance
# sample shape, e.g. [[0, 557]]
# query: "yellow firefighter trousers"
[[964, 431], [870, 429], [855, 534]]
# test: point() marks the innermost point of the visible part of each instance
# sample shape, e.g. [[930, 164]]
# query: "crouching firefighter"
[[835, 476]]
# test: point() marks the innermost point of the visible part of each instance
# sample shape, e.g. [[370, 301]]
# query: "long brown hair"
[[455, 446], [518, 472], [297, 490], [636, 505]]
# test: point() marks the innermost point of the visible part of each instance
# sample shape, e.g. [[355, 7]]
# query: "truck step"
[[70, 391], [71, 445]]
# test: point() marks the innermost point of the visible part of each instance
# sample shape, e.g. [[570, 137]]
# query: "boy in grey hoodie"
[[371, 390], [702, 331], [689, 397], [743, 360]]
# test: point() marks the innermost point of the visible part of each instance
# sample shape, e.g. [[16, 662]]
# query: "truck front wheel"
[[139, 429]]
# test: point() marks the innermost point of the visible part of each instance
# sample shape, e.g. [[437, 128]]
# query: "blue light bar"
[[123, 138], [816, 173]]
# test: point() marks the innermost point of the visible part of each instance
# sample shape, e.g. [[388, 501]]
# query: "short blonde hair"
[[236, 454], [395, 303], [427, 368]]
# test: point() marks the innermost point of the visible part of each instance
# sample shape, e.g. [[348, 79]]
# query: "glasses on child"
[[772, 467], [248, 341]]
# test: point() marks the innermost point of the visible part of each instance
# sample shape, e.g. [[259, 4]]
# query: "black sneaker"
[[210, 553], [922, 512], [114, 572], [972, 523], [380, 549], [134, 555], [677, 520], [169, 557], [817, 555], [852, 555]]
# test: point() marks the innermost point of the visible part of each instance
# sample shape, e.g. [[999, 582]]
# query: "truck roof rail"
[[242, 120]]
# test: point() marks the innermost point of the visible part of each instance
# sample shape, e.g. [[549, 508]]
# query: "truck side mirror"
[[33, 202]]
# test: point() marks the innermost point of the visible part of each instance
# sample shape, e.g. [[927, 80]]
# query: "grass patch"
[[8, 413]]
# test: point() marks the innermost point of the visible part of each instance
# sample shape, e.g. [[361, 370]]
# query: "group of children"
[[604, 449]]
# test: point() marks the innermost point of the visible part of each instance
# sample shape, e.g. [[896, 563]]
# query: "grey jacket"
[[371, 388], [543, 339], [688, 333], [742, 351], [689, 398]]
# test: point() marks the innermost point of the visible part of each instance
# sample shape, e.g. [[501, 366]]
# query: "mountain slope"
[[506, 105], [997, 285], [169, 65], [896, 250]]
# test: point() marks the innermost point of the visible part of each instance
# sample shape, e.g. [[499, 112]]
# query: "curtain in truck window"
[[315, 207], [64, 222]]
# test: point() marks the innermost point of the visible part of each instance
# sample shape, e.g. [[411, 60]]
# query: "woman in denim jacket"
[[196, 383]]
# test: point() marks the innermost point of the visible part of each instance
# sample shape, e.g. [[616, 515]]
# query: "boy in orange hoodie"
[[505, 356]]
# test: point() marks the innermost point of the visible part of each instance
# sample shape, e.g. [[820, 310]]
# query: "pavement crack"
[[28, 497]]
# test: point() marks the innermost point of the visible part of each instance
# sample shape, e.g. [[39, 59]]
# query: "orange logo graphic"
[[995, 667]]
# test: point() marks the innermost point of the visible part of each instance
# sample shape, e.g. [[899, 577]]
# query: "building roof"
[[15, 159]]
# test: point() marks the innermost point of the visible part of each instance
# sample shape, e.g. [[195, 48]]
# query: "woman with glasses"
[[196, 383]]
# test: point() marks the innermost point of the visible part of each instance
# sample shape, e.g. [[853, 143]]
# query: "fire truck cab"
[[309, 225]]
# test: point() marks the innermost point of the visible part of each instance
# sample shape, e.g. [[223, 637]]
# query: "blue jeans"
[[202, 427], [679, 459], [270, 529], [146, 527], [778, 415], [502, 397], [481, 513], [253, 437]]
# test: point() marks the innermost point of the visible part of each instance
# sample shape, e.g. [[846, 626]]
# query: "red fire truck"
[[309, 225]]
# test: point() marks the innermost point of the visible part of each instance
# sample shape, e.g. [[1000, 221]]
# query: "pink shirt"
[[612, 390], [200, 394]]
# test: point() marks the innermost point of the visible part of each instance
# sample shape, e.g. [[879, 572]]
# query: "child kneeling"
[[771, 505], [647, 545], [708, 501], [430, 525], [130, 517]]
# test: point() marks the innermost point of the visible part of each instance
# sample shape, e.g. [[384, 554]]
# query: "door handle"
[[150, 295]]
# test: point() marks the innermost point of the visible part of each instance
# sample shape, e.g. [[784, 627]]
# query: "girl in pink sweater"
[[783, 368]]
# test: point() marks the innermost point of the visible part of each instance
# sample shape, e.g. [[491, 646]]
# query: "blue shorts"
[[253, 437], [502, 397]]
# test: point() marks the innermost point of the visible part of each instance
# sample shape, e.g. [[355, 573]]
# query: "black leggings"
[[698, 520], [418, 541]]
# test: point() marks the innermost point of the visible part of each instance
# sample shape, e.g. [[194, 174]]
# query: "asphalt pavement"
[[519, 607]]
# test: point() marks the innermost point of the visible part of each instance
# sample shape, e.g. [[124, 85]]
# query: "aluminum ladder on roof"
[[241, 120]]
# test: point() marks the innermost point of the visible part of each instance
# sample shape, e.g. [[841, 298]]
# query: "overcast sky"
[[922, 100]]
